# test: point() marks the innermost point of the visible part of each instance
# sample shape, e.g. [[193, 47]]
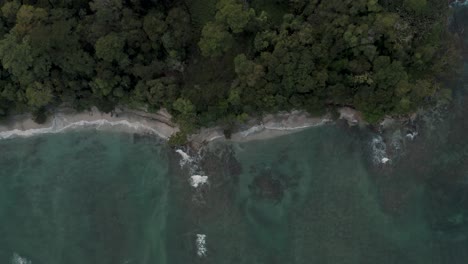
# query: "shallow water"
[[317, 196], [83, 197]]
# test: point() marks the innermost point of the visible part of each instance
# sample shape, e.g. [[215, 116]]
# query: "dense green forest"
[[221, 61]]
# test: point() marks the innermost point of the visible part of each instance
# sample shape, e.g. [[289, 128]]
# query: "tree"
[[417, 6], [233, 14], [184, 106], [215, 40], [106, 17], [248, 71], [27, 18], [155, 92], [154, 25], [17, 58], [110, 48], [38, 94], [180, 33], [9, 10], [382, 57]]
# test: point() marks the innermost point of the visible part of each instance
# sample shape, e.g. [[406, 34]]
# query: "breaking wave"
[[201, 245], [17, 259], [198, 177], [379, 151], [198, 180], [60, 124], [280, 127], [185, 158]]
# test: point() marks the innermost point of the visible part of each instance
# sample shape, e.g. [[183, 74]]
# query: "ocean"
[[322, 195]]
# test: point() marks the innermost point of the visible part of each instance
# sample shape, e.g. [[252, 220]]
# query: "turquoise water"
[[83, 197], [316, 196], [311, 197]]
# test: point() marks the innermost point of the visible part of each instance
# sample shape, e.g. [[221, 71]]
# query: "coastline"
[[385, 144], [270, 126], [160, 124], [66, 119]]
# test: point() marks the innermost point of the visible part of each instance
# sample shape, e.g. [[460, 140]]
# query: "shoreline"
[[160, 124], [270, 126], [66, 119]]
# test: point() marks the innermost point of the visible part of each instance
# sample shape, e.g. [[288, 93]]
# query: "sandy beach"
[[270, 126], [160, 124], [121, 119]]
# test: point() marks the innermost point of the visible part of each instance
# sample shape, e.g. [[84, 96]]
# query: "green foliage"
[[210, 61], [231, 18], [233, 14], [201, 11], [154, 25], [248, 72], [184, 107], [9, 10], [418, 6], [274, 10], [110, 48], [17, 58], [178, 139], [157, 92], [215, 40], [39, 95]]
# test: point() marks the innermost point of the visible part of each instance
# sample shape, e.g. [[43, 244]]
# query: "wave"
[[198, 177], [252, 130], [17, 259], [289, 128], [60, 124], [280, 127], [186, 159], [379, 151], [198, 180], [412, 135], [201, 245]]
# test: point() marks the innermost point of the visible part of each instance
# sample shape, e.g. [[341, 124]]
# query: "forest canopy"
[[212, 61]]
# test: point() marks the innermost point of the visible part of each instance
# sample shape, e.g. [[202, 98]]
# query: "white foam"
[[280, 127], [201, 245], [215, 137], [185, 157], [252, 130], [412, 135], [385, 160], [17, 259], [289, 128], [60, 124], [198, 180], [379, 150]]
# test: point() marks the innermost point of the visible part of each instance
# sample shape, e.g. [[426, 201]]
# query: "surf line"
[[197, 180], [60, 124]]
